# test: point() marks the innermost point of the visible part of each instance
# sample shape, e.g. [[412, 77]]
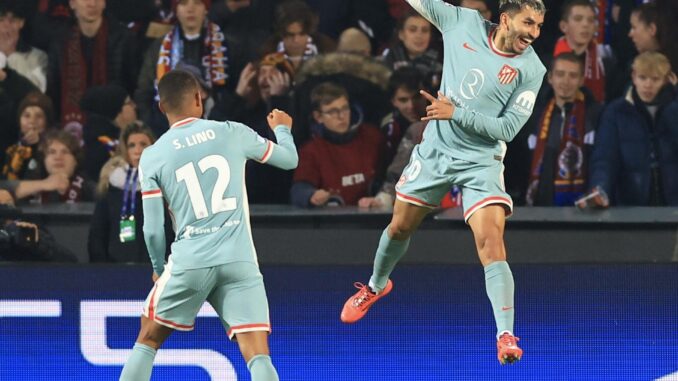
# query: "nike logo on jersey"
[[506, 308], [467, 46]]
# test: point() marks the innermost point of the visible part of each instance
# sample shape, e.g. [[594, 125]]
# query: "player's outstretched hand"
[[441, 108], [276, 118]]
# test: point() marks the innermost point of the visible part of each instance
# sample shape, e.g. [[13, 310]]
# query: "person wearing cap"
[[194, 41], [109, 109]]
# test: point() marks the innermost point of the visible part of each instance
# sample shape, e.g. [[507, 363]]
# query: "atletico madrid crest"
[[507, 74]]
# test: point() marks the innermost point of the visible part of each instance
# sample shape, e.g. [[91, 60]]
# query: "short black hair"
[[174, 87], [569, 57], [514, 6], [647, 13], [14, 7], [567, 8], [407, 77]]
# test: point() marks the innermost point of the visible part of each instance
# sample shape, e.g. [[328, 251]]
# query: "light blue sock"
[[500, 288], [388, 254], [262, 369], [139, 365]]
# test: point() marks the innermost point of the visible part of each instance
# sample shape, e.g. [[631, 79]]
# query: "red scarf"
[[74, 71], [570, 171], [214, 60], [594, 72]]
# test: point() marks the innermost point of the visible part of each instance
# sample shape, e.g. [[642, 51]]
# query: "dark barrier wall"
[[286, 235], [576, 322]]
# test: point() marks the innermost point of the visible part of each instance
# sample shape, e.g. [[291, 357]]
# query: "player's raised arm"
[[154, 216], [439, 13], [282, 155], [516, 114]]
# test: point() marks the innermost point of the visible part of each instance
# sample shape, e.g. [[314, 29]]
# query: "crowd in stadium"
[[78, 99]]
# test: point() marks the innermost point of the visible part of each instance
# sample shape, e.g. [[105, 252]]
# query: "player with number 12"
[[198, 169]]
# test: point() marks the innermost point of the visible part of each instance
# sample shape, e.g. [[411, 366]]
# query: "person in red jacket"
[[342, 162]]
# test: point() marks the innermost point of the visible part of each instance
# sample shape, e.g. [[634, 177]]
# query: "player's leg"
[[421, 187], [139, 365], [254, 349], [488, 230], [394, 241], [393, 244], [172, 304], [241, 302], [486, 206]]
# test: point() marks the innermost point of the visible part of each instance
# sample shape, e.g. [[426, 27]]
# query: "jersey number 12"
[[190, 177]]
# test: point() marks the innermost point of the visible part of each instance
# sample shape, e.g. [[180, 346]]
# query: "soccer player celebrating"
[[197, 167], [491, 76]]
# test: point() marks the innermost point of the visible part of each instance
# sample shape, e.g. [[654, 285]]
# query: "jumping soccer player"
[[491, 76]]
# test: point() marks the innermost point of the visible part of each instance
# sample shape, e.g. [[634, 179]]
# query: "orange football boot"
[[507, 349], [357, 305]]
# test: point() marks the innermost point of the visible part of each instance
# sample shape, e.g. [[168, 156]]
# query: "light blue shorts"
[[430, 174], [235, 291]]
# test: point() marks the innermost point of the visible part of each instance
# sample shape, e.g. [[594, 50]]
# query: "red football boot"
[[357, 305]]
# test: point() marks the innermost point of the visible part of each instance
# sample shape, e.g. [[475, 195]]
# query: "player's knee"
[[150, 336], [489, 238], [400, 230]]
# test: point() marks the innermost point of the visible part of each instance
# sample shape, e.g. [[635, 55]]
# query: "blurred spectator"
[[562, 136], [25, 241], [579, 26], [193, 41], [408, 107], [363, 77], [371, 17], [667, 31], [412, 48], [295, 34], [116, 233], [20, 56], [108, 109], [47, 19], [342, 163], [482, 6], [63, 183], [262, 88], [355, 41], [13, 89], [386, 195], [619, 20], [94, 51], [635, 159], [246, 25], [643, 30], [23, 160]]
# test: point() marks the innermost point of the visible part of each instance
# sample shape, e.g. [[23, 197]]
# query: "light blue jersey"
[[198, 168], [494, 91]]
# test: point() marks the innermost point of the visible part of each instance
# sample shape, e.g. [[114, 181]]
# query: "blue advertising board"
[[576, 322]]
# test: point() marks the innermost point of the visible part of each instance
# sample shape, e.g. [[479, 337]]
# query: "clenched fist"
[[277, 118]]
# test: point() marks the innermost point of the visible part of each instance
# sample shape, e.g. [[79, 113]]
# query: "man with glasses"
[[341, 162]]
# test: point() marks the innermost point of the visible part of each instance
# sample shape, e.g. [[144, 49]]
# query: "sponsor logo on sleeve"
[[525, 102]]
